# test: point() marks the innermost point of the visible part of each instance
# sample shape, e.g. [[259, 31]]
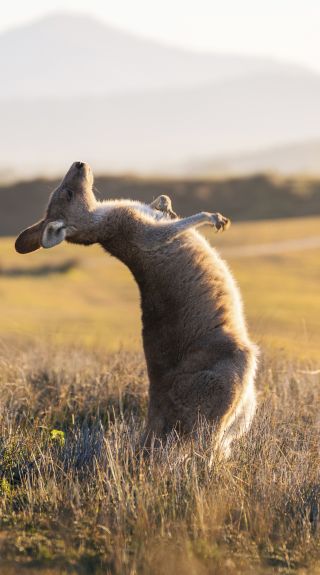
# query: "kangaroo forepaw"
[[219, 222], [163, 204]]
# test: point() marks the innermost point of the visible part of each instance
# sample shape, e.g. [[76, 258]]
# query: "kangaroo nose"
[[79, 165]]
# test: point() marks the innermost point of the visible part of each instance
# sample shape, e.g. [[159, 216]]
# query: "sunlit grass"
[[77, 497], [96, 302]]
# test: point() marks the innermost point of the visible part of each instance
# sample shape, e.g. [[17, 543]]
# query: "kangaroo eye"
[[69, 195]]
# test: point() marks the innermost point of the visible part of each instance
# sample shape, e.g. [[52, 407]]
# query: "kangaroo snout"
[[77, 173], [80, 168]]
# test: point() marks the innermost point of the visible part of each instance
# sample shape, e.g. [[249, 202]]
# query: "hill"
[[251, 198], [159, 131], [74, 87], [66, 56], [298, 158]]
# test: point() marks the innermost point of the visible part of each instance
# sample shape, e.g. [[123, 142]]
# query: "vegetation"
[[76, 494], [84, 501], [73, 294], [257, 197]]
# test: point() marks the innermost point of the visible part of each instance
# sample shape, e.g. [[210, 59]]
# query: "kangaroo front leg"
[[164, 232]]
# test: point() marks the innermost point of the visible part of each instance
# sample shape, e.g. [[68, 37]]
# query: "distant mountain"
[[298, 158], [73, 88], [72, 56], [159, 132]]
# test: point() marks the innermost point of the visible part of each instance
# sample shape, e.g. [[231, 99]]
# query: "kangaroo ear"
[[29, 240], [53, 234]]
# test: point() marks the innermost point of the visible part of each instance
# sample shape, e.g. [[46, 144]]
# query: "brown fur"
[[200, 360]]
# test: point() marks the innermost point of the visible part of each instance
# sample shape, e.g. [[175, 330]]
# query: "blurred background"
[[183, 88], [216, 104]]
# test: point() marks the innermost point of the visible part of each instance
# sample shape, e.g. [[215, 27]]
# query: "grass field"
[[74, 495], [81, 295]]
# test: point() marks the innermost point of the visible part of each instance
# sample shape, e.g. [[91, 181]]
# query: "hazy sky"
[[287, 29]]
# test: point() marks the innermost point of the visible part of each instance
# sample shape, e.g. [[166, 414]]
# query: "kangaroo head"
[[68, 213]]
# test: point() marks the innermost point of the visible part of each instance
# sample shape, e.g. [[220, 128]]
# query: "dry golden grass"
[[85, 502], [95, 302], [76, 496]]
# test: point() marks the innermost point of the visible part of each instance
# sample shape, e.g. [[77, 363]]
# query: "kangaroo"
[[200, 360]]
